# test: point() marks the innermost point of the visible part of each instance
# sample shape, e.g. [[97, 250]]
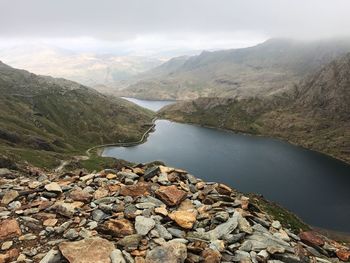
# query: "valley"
[[188, 131]]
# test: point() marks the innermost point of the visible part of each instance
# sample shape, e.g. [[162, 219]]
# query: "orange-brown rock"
[[211, 256], [139, 189], [9, 197], [87, 250], [100, 193], [244, 202], [311, 238], [9, 228], [113, 188], [161, 210], [9, 256], [185, 219], [224, 189], [50, 222], [171, 195], [343, 254], [80, 195], [111, 176], [118, 227], [139, 260], [186, 205]]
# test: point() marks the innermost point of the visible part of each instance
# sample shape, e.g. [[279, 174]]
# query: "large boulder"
[[97, 250]]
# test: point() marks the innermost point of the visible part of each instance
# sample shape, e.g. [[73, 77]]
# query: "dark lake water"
[[313, 185], [154, 105]]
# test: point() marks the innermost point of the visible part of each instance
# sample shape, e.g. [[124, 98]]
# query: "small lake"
[[313, 185], [153, 105]]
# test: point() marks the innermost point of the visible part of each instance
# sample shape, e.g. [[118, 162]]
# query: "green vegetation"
[[44, 120], [287, 218]]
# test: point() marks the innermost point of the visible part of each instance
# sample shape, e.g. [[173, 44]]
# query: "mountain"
[[87, 68], [315, 113], [49, 117], [260, 70]]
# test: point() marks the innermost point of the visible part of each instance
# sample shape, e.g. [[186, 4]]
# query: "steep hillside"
[[49, 116], [259, 70], [314, 113]]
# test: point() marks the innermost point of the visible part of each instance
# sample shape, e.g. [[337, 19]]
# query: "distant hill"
[[48, 116], [260, 70], [87, 68], [315, 113]]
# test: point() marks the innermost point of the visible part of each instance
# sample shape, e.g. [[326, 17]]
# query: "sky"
[[150, 26]]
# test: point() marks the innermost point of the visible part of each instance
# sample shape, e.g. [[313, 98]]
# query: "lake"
[[313, 185], [153, 105]]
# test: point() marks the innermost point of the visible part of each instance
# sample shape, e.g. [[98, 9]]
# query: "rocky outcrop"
[[140, 215]]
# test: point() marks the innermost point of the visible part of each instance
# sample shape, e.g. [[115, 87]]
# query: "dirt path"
[[120, 144]]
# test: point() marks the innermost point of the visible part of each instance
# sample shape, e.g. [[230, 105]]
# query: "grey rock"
[[4, 172], [98, 215], [53, 256], [106, 200], [276, 224], [170, 252], [192, 179], [143, 225], [92, 225], [145, 205], [221, 216], [151, 199], [163, 232], [176, 232], [261, 239], [6, 245], [233, 238], [128, 258], [262, 256], [106, 208], [246, 246], [129, 175], [287, 258], [60, 229], [240, 256], [71, 234], [117, 256], [130, 241], [84, 233], [244, 225], [223, 229], [163, 179], [151, 172]]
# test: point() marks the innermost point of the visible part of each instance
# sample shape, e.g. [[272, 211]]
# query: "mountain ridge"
[[253, 71], [314, 113]]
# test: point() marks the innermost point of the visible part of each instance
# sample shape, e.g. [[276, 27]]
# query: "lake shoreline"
[[260, 135]]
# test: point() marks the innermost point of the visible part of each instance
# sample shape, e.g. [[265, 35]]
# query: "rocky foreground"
[[140, 214]]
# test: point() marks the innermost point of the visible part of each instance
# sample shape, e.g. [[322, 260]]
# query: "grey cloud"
[[116, 20]]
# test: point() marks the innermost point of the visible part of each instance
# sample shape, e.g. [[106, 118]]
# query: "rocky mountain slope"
[[43, 117], [315, 113], [259, 70], [146, 214]]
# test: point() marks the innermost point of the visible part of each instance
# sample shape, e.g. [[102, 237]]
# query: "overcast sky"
[[154, 25]]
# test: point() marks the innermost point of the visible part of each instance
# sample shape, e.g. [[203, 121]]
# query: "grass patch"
[[276, 212]]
